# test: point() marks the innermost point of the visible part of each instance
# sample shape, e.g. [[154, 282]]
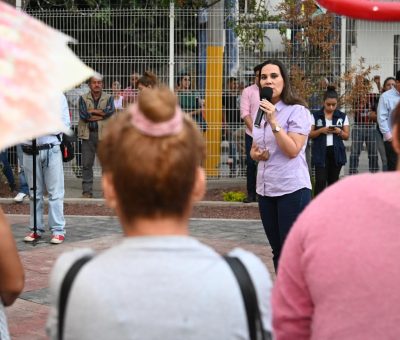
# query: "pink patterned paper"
[[36, 65]]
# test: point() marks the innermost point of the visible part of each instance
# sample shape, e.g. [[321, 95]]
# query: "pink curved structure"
[[364, 9]]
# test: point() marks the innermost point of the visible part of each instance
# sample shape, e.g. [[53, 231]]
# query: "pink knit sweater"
[[339, 273]]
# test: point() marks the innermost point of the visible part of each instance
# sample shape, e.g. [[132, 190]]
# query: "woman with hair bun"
[[329, 128], [158, 283]]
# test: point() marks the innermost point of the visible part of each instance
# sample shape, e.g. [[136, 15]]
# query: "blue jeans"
[[361, 133], [278, 214], [23, 184], [251, 171], [7, 169], [50, 176]]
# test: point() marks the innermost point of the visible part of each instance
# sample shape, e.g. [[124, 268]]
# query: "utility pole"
[[214, 72], [171, 44], [16, 3]]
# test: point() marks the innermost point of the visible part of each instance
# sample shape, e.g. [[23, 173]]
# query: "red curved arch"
[[364, 9]]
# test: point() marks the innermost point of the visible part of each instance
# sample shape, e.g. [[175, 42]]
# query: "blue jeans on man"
[[7, 171], [23, 185], [50, 177]]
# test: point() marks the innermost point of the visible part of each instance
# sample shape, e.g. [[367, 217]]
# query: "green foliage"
[[309, 36], [102, 4], [234, 196], [357, 81]]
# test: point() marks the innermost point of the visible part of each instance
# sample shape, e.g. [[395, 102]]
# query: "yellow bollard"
[[213, 109]]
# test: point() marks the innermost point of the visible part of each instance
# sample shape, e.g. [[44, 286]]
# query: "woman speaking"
[[283, 180]]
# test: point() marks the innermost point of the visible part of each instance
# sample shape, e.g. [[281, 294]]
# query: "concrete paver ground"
[[28, 315]]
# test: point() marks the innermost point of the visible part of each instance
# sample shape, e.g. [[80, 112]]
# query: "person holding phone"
[[329, 128]]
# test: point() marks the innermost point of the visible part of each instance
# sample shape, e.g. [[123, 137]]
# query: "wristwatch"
[[277, 129]]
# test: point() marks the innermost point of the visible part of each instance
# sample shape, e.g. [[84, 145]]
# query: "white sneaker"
[[20, 197]]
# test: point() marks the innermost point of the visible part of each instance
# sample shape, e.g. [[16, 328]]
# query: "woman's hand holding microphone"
[[269, 110]]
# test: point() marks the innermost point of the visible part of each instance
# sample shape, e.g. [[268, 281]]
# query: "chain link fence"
[[218, 58]]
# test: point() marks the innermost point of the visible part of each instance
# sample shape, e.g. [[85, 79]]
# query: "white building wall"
[[272, 37], [375, 43], [272, 5]]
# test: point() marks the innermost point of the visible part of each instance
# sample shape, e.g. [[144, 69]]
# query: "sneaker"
[[77, 171], [87, 195], [57, 239], [32, 237], [20, 197]]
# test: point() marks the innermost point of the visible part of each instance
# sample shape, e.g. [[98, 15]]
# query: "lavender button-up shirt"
[[249, 103], [281, 175]]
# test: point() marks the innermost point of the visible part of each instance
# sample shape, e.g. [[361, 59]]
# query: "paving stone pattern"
[[28, 315]]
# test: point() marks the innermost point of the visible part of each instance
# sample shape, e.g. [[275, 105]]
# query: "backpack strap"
[[66, 288], [248, 291]]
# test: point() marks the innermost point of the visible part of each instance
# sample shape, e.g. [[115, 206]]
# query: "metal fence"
[[205, 45]]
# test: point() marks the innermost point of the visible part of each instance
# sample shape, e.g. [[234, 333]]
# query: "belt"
[[29, 150], [45, 146]]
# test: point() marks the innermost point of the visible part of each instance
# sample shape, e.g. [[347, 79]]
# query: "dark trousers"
[[78, 148], [391, 156], [251, 169], [89, 147], [7, 171], [326, 175], [230, 135], [278, 215], [361, 133]]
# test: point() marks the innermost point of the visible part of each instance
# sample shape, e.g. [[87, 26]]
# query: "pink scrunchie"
[[150, 128]]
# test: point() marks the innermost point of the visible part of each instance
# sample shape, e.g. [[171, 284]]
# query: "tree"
[[357, 80], [311, 42]]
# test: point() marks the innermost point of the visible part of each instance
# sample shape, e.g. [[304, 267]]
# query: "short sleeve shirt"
[[281, 175]]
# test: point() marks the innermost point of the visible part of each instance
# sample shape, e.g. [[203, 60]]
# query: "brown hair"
[[148, 79], [287, 95], [152, 176]]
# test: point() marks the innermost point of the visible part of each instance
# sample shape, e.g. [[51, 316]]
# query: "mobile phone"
[[332, 127]]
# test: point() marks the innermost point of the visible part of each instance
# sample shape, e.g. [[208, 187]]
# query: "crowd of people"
[[328, 254]]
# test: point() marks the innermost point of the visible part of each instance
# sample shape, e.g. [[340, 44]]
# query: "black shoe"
[[249, 200]]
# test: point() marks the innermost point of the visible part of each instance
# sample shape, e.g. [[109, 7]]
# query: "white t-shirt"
[[328, 122], [118, 103], [166, 288]]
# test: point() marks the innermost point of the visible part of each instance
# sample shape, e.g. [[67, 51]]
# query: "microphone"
[[265, 93]]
